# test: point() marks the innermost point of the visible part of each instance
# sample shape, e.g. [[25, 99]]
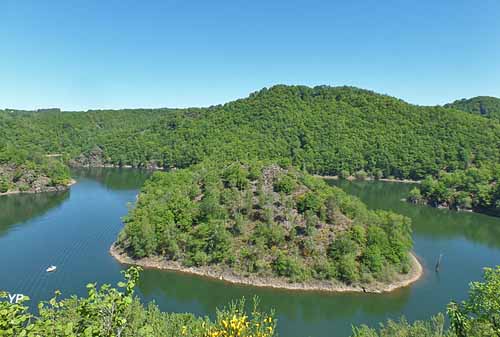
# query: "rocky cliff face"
[[20, 179], [97, 158], [93, 158]]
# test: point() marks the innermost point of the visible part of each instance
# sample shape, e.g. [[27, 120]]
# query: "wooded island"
[[262, 224]]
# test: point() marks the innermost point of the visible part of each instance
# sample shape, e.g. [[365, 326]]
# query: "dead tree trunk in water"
[[438, 263]]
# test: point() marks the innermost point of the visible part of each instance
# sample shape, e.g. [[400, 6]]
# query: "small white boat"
[[51, 269]]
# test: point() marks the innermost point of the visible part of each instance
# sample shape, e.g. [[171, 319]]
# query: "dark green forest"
[[482, 105], [263, 219], [326, 130]]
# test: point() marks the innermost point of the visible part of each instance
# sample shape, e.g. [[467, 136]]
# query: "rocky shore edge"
[[353, 178], [403, 280], [59, 188]]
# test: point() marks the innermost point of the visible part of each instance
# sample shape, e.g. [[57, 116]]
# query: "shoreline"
[[454, 210], [158, 168], [352, 178], [100, 166], [228, 276], [54, 189]]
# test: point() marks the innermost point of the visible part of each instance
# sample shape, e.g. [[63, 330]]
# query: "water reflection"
[[19, 208], [114, 178], [427, 221], [181, 292]]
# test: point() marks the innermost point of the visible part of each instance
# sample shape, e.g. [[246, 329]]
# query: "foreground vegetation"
[[326, 130], [111, 312], [471, 189], [478, 316], [262, 219]]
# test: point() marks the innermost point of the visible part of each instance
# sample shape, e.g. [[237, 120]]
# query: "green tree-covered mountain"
[[482, 105], [327, 130]]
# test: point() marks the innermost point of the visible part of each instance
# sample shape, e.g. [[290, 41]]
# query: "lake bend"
[[74, 230]]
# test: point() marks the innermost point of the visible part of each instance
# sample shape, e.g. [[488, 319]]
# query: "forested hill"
[[324, 129], [482, 105]]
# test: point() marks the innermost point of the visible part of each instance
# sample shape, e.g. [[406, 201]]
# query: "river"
[[74, 230]]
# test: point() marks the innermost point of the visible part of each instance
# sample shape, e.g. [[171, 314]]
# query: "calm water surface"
[[74, 230]]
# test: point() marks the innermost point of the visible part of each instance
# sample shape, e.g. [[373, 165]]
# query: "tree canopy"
[[482, 105]]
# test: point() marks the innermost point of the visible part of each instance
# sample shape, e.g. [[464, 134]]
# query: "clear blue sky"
[[123, 53]]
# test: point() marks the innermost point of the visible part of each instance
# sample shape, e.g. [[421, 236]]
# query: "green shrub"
[[342, 245], [236, 175], [378, 174], [289, 267], [4, 185], [415, 196], [309, 201], [344, 174], [434, 328], [373, 259], [361, 175], [24, 187], [348, 268], [479, 315], [284, 184]]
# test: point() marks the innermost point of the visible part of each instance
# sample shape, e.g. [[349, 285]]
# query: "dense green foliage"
[[473, 188], [327, 130], [482, 105], [433, 328], [265, 220], [111, 312], [478, 316]]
